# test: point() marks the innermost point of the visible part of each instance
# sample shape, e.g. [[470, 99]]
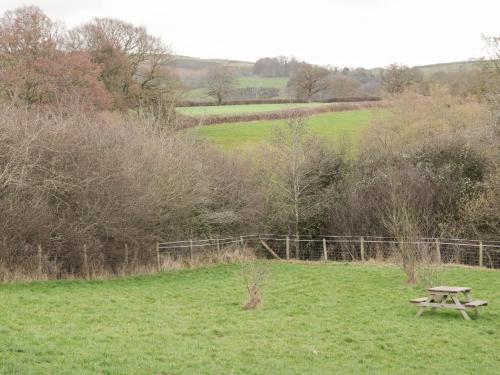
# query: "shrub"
[[74, 179]]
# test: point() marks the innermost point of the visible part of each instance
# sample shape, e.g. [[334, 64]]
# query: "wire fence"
[[344, 248], [90, 262]]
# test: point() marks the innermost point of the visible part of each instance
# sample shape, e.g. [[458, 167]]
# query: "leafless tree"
[[339, 85], [35, 69], [219, 82], [307, 81], [397, 78], [132, 59], [491, 75], [302, 174]]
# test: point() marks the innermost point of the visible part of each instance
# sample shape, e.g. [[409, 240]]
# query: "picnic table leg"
[[420, 311], [462, 311], [468, 299], [422, 308]]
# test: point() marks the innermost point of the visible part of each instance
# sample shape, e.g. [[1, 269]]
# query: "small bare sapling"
[[254, 276]]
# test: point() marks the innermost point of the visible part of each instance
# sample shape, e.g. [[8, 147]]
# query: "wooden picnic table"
[[447, 297]]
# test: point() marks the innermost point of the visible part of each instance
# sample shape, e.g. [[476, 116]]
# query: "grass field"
[[242, 82], [316, 319], [224, 110], [335, 126], [257, 81]]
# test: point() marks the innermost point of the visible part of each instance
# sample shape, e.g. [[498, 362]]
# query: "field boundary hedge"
[[207, 103], [191, 121]]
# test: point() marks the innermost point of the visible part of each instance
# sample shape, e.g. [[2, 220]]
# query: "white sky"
[[366, 33]]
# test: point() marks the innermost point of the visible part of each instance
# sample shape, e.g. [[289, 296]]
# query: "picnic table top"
[[449, 289]]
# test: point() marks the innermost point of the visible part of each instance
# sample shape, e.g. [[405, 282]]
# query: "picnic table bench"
[[447, 297]]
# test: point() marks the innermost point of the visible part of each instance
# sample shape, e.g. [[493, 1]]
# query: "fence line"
[[483, 253], [86, 261]]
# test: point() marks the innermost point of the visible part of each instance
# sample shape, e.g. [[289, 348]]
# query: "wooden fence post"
[[287, 248], [134, 259], [480, 253], [362, 247], [39, 258], [86, 262], [191, 250], [242, 243], [325, 254], [158, 260], [126, 255], [438, 250], [297, 247], [218, 245]]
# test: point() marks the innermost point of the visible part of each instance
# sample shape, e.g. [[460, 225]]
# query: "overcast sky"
[[352, 33]]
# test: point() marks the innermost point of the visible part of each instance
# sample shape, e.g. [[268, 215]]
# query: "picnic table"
[[447, 297]]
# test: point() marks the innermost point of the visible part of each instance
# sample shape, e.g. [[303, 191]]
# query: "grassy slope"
[[317, 319], [242, 82], [334, 126], [256, 81], [223, 110]]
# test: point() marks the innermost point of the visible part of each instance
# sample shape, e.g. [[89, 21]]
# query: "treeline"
[[313, 82], [104, 64], [279, 66]]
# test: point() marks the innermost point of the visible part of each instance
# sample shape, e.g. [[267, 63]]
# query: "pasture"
[[343, 127], [316, 319], [224, 110]]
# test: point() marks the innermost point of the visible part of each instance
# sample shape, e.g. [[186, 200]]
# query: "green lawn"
[[224, 110], [334, 126], [317, 319]]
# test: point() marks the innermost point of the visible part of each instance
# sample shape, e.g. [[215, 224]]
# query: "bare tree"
[[219, 82], [132, 59], [35, 69], [340, 85], [491, 74], [307, 81], [397, 78], [302, 173]]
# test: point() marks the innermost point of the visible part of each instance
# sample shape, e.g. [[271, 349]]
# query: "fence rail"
[[88, 262], [482, 253]]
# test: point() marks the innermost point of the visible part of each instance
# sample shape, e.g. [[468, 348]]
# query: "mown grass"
[[316, 319], [343, 127], [224, 110]]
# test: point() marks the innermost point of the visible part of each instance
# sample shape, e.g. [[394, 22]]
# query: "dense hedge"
[[192, 103], [188, 121]]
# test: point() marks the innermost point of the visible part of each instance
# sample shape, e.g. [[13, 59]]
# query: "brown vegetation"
[[79, 185], [187, 121], [307, 81], [346, 99]]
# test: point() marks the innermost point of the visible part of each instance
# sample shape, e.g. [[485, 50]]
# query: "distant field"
[[197, 94], [222, 110], [242, 82], [335, 126], [317, 319], [256, 81], [452, 67]]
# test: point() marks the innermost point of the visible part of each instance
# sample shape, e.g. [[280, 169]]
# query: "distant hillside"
[[193, 67], [193, 71], [451, 67]]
